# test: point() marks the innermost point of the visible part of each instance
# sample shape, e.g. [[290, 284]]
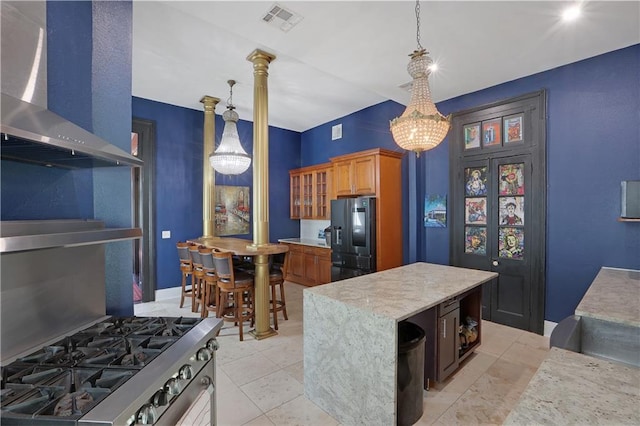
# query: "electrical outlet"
[[166, 235]]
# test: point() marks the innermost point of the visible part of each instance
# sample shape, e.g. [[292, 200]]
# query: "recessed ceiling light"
[[571, 13]]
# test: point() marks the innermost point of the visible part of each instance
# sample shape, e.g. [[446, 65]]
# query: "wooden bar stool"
[[210, 293], [186, 269], [236, 290], [277, 272], [197, 277]]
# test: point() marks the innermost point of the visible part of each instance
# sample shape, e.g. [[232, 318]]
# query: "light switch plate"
[[166, 234]]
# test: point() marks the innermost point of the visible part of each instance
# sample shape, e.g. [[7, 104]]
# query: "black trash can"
[[410, 372]]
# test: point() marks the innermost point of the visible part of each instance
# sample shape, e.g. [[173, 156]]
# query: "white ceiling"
[[347, 55]]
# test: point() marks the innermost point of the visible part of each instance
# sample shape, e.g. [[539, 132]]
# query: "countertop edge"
[[304, 242]]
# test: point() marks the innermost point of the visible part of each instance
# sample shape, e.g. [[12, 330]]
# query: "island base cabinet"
[[444, 351]]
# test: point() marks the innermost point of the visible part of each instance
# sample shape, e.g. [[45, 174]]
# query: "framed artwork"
[[475, 240], [471, 135], [513, 129], [511, 243], [492, 132], [435, 211], [475, 210], [475, 181], [233, 215], [511, 210], [511, 179]]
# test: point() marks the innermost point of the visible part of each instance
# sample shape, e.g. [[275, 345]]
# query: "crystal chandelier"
[[420, 127], [230, 158]]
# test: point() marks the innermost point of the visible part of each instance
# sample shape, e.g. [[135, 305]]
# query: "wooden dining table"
[[260, 256]]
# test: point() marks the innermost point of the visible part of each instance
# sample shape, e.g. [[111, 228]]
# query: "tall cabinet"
[[375, 172]]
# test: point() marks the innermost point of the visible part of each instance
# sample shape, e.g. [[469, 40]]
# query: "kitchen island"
[[350, 335], [601, 385]]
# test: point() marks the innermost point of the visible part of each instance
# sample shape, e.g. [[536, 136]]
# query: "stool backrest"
[[206, 257], [223, 262], [183, 252], [195, 256]]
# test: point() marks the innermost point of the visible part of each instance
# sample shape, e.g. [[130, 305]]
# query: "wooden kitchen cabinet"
[[375, 172], [311, 192], [309, 265], [355, 176]]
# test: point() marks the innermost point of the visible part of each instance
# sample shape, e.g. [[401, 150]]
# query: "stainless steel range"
[[120, 371], [63, 361]]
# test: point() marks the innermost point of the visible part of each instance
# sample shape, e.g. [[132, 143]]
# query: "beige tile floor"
[[260, 383]]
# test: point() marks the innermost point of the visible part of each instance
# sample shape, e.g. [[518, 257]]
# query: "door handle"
[[495, 263], [444, 328]]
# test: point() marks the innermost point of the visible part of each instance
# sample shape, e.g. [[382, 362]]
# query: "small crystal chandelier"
[[420, 127], [230, 158]]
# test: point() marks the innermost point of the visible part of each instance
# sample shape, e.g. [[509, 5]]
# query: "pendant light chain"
[[230, 100], [418, 25]]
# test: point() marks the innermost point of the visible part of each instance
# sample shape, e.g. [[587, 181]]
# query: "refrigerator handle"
[[338, 232]]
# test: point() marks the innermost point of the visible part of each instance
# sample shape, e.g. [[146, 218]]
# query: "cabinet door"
[[321, 195], [307, 195], [448, 344], [364, 175], [311, 268], [324, 268], [295, 200], [342, 178], [296, 263]]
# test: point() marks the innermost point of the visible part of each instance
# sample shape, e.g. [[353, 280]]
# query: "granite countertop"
[[573, 388], [401, 292], [305, 242], [603, 298]]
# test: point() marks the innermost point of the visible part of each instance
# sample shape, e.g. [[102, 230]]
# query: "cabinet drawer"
[[317, 251], [447, 306]]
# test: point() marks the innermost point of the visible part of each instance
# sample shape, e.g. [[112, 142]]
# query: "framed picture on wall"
[[492, 132], [233, 215], [435, 211], [475, 210], [471, 135], [513, 128]]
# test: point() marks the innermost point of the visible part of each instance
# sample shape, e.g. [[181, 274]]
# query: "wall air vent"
[[281, 17]]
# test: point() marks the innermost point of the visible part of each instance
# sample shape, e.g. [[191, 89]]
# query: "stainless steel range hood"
[[34, 134]]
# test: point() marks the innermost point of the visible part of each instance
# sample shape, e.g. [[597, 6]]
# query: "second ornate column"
[[208, 174], [261, 60]]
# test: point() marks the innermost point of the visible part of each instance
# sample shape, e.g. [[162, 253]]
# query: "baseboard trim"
[[548, 327]]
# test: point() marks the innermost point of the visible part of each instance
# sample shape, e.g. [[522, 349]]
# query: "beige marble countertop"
[[401, 292], [305, 242], [613, 296], [577, 389]]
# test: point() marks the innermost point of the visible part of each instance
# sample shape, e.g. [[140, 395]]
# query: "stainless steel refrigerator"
[[353, 237]]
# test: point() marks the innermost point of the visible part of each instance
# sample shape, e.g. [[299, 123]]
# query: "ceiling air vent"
[[407, 86], [281, 17]]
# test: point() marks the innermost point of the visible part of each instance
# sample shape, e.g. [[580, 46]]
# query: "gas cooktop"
[[63, 381]]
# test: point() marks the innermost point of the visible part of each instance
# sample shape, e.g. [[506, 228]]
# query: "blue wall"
[[178, 197], [593, 143]]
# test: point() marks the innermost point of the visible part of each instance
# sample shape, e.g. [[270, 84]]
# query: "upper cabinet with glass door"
[[311, 192]]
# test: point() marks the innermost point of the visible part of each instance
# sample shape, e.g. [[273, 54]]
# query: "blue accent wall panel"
[[364, 129], [111, 106], [34, 192]]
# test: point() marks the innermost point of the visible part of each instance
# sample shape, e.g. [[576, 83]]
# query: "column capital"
[[209, 101], [260, 55]]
